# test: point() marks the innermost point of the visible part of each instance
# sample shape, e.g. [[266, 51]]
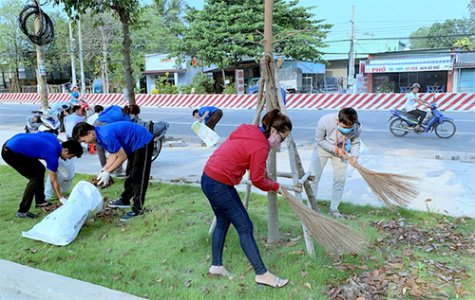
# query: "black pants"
[[214, 119], [138, 172], [34, 171], [418, 114]]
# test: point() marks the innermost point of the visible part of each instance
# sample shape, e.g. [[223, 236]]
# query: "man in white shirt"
[[411, 105], [74, 118]]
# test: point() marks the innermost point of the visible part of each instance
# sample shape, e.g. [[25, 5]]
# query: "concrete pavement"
[[447, 178]]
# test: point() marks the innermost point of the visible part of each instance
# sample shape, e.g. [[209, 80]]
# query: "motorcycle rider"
[[411, 105]]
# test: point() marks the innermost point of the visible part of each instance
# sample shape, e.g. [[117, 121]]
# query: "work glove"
[[63, 200], [103, 178]]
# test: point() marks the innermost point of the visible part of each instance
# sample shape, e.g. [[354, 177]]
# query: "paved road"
[[375, 134], [449, 183]]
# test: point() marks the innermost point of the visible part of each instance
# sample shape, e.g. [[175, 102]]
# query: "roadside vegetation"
[[166, 253]]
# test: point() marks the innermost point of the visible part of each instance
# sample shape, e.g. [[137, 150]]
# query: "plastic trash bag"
[[205, 133], [65, 177], [62, 225]]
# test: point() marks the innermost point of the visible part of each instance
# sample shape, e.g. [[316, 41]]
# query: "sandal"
[[278, 283], [221, 272], [337, 214]]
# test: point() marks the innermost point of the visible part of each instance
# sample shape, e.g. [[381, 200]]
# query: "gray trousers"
[[318, 161]]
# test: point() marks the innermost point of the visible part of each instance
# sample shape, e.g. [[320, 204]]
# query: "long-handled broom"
[[329, 233], [391, 189]]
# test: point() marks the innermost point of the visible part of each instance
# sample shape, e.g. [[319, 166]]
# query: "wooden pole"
[[41, 66]]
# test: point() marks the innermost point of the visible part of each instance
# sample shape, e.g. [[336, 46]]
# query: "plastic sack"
[[65, 175], [62, 225], [205, 133]]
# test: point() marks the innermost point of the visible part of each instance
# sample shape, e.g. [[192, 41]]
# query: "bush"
[[202, 84], [164, 87], [229, 89]]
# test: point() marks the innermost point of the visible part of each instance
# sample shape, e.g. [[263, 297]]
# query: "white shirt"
[[411, 103], [71, 121]]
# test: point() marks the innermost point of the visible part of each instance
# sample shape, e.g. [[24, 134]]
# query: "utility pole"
[[71, 52], [104, 73], [81, 64], [40, 58], [351, 55]]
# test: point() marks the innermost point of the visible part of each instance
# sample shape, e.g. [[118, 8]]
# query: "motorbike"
[[43, 121], [403, 123], [158, 130]]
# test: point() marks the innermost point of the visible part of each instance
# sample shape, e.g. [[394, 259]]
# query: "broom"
[[329, 233], [391, 189]]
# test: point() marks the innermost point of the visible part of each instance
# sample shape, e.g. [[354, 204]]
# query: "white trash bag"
[[205, 133], [65, 175], [62, 225]]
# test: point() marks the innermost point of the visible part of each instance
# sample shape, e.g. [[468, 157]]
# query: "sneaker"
[[131, 214], [337, 214], [119, 203], [26, 215]]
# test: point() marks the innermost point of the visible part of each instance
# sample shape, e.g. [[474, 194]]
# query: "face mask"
[[274, 141], [344, 130]]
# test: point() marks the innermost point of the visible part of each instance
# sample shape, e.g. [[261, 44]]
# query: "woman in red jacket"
[[246, 148]]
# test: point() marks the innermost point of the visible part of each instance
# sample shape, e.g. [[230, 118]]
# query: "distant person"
[[23, 153], [76, 116], [74, 96], [411, 106], [97, 110], [210, 115], [336, 135], [246, 148], [111, 115], [123, 140]]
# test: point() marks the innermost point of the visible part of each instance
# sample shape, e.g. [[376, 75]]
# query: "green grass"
[[166, 253]]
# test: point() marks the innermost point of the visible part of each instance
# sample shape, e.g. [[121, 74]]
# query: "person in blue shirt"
[[208, 114], [110, 115], [123, 140], [74, 96], [23, 153]]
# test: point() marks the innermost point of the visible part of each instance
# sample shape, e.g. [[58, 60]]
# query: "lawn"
[[166, 253]]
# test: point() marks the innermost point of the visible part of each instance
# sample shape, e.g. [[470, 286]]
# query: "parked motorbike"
[[158, 131], [43, 121], [402, 123]]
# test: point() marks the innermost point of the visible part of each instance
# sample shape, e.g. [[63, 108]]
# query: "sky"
[[377, 19]]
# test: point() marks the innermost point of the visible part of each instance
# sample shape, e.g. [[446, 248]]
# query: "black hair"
[[81, 129], [75, 108], [276, 119], [194, 112], [348, 116], [73, 146], [98, 108]]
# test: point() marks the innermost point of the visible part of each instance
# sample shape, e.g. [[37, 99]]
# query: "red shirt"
[[246, 148]]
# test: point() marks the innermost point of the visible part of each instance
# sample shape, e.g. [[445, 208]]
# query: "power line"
[[405, 38]]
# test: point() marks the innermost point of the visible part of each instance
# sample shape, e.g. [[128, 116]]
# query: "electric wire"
[[45, 34]]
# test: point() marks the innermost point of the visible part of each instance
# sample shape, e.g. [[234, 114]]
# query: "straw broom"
[[391, 189], [329, 233]]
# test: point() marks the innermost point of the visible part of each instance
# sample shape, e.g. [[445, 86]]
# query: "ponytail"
[[277, 120]]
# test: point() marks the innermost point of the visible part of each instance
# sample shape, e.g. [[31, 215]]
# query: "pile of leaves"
[[409, 274]]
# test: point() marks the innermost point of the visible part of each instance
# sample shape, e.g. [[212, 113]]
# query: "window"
[[466, 81]]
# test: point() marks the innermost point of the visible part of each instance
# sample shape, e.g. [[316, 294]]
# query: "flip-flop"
[[278, 283], [227, 274]]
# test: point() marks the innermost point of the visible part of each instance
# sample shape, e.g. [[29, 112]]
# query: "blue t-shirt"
[[211, 110], [113, 114], [74, 98], [126, 135], [41, 145]]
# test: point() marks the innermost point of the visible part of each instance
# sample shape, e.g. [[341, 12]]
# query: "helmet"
[[415, 85]]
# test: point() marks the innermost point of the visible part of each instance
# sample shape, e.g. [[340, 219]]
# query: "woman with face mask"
[[246, 148], [337, 136]]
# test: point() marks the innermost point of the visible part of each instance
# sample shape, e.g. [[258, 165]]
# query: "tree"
[[226, 31], [440, 35], [127, 11]]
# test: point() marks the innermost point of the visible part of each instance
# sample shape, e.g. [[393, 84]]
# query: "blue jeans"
[[228, 208]]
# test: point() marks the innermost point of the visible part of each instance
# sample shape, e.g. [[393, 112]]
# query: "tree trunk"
[[105, 67], [129, 80]]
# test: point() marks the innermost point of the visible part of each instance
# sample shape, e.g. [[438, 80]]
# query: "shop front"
[[395, 72]]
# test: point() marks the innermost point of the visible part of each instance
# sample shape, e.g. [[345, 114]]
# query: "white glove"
[[103, 178], [63, 200]]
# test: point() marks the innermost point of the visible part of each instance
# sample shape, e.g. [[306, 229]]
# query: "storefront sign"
[[239, 75], [444, 63]]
